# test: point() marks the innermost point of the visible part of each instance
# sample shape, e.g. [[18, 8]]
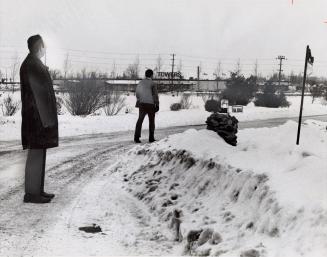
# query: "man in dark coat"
[[39, 119], [148, 104]]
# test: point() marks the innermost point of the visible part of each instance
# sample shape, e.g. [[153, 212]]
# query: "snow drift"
[[265, 197]]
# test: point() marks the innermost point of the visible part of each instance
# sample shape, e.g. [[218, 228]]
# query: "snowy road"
[[87, 192]]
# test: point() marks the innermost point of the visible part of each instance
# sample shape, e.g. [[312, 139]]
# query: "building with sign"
[[164, 85]]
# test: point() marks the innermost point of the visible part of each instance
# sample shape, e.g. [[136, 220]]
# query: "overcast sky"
[[96, 33]]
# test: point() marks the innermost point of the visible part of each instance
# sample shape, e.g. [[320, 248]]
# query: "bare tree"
[[14, 67], [114, 102], [159, 64], [55, 73], [59, 103], [113, 73], [238, 67], [180, 66], [218, 70], [210, 95], [137, 66], [200, 69], [84, 98], [103, 75], [255, 68], [84, 73], [67, 65], [9, 107], [133, 69], [186, 101], [93, 74], [316, 91]]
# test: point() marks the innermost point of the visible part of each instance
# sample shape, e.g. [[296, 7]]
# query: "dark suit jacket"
[[39, 110]]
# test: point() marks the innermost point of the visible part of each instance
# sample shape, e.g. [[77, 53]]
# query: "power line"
[[188, 58]]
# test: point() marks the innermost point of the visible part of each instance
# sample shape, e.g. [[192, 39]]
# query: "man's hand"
[[156, 107]]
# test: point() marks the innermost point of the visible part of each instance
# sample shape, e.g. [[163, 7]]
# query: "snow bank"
[[266, 196]]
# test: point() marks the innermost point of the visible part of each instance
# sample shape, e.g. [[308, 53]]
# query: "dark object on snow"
[[176, 225], [39, 109], [225, 125], [215, 238], [250, 253], [175, 107], [212, 106], [205, 236], [193, 235], [91, 229]]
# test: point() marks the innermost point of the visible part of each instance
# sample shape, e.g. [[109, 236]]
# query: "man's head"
[[149, 73], [36, 45]]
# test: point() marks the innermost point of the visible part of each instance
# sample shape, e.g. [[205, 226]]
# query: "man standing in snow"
[[148, 104], [39, 119]]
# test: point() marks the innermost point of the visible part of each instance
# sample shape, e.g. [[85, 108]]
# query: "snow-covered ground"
[[74, 125], [79, 172], [266, 196]]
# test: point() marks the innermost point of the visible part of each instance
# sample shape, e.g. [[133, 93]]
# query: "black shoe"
[[29, 198], [152, 140], [138, 141], [47, 195]]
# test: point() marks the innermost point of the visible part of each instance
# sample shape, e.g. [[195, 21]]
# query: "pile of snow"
[[265, 197]]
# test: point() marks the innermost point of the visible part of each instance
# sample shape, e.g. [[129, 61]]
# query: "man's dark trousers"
[[145, 109], [35, 171]]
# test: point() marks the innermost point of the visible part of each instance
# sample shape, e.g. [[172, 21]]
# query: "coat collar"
[[38, 60]]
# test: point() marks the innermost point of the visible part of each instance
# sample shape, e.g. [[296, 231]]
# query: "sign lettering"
[[164, 74]]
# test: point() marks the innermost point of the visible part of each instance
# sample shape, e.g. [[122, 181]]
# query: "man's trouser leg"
[[43, 170], [139, 122], [34, 171], [151, 116]]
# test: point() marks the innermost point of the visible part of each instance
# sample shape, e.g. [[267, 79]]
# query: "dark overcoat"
[[39, 110]]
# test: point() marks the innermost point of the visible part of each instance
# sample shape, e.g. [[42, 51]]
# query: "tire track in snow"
[[129, 228], [16, 225]]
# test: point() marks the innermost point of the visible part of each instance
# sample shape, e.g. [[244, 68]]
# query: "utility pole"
[[280, 58], [198, 77], [308, 59], [172, 72]]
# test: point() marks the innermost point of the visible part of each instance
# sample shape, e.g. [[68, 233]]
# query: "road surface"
[[79, 172]]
